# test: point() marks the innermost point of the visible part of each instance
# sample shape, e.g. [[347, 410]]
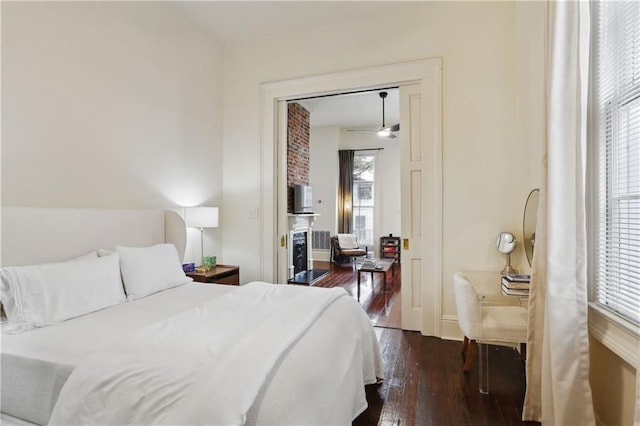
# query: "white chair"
[[485, 324]]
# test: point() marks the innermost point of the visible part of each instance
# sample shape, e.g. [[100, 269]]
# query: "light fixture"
[[384, 131], [201, 217]]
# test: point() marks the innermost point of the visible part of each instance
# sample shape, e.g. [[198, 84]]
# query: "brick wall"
[[297, 150]]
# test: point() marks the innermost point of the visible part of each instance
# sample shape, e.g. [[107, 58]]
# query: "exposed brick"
[[297, 149]]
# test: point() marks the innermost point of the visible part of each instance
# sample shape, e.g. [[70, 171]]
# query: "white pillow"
[[148, 270], [347, 241], [39, 295], [88, 256]]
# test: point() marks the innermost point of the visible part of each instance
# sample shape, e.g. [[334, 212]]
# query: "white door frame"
[[425, 72]]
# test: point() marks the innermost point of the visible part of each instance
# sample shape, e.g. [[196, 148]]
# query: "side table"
[[382, 267], [221, 274]]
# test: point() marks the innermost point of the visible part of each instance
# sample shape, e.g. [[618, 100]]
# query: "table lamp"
[[201, 217]]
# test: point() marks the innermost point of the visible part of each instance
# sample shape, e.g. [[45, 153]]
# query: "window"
[[617, 158], [360, 222], [363, 197]]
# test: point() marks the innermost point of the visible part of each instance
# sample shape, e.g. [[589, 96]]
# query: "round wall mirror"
[[529, 221]]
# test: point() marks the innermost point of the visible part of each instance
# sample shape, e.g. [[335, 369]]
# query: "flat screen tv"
[[302, 199]]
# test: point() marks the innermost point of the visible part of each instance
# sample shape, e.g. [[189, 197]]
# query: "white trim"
[[617, 334], [427, 73], [450, 328]]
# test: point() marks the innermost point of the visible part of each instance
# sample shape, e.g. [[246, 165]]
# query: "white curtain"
[[558, 390]]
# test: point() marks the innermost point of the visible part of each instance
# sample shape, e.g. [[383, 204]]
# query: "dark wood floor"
[[424, 383], [382, 307]]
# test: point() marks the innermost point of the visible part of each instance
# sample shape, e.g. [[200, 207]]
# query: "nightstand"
[[221, 274]]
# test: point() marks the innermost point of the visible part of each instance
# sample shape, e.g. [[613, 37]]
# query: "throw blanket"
[[205, 365]]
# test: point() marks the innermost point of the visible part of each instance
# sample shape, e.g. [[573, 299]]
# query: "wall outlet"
[[253, 213]]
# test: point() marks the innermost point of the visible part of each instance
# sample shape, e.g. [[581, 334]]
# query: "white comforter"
[[205, 365]]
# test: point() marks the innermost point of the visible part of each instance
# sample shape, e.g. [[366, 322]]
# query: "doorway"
[[423, 274], [351, 123]]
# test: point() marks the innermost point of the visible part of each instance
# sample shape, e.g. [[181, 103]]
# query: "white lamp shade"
[[201, 217]]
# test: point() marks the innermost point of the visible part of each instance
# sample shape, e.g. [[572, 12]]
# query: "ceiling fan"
[[384, 131]]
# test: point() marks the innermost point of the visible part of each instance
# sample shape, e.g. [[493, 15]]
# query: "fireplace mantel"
[[300, 223]]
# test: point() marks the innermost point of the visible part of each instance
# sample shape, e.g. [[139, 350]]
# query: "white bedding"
[[48, 355], [36, 364]]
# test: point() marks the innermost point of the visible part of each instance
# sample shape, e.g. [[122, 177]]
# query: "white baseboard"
[[450, 329], [322, 255]]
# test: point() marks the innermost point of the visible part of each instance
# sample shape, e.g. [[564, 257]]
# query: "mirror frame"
[[529, 223]]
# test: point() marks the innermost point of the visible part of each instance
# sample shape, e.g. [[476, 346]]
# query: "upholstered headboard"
[[32, 235]]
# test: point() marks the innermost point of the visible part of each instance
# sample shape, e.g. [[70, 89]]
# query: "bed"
[[187, 354]]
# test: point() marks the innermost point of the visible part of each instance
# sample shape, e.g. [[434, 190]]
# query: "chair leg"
[[465, 345], [470, 355]]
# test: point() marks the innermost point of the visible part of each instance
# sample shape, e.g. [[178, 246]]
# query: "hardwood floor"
[[383, 308], [424, 383]]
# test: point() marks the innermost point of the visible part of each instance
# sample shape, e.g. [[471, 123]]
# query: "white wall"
[[324, 144], [530, 89], [483, 149], [110, 105], [388, 178]]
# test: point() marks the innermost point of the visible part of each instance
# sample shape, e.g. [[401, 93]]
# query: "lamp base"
[[209, 262], [507, 268]]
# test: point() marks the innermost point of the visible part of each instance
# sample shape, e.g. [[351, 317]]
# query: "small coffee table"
[[382, 266]]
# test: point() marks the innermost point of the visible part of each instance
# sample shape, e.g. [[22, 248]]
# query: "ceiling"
[[354, 111], [234, 22]]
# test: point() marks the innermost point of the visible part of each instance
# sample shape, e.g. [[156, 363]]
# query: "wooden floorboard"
[[424, 383], [382, 307]]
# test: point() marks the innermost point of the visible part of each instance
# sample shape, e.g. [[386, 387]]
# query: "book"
[[515, 291], [520, 278], [514, 284], [368, 264]]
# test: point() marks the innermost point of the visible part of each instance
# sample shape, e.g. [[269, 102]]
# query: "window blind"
[[617, 85]]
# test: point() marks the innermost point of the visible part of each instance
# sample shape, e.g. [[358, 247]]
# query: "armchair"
[[345, 247]]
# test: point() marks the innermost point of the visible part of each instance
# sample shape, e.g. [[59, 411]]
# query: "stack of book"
[[368, 264], [516, 284]]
